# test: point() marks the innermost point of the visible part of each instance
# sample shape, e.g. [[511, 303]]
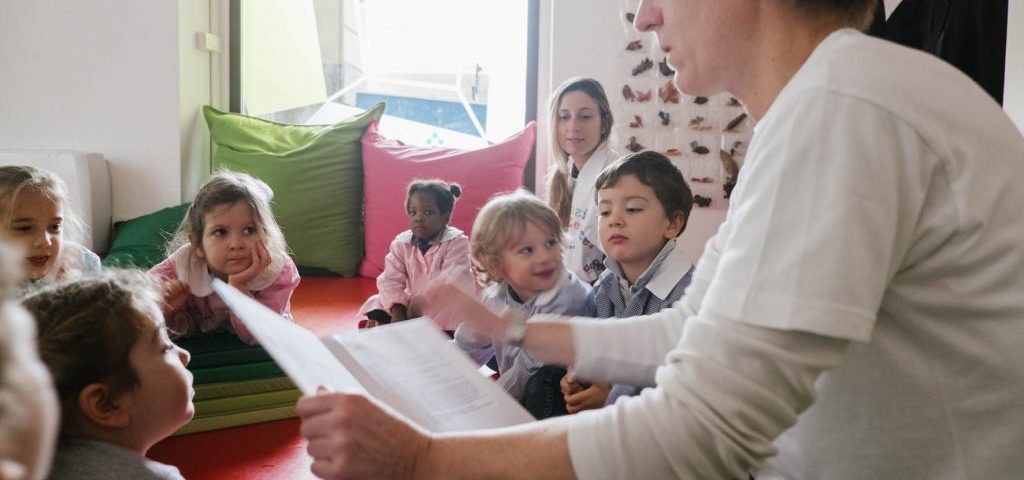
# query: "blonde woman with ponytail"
[[581, 121]]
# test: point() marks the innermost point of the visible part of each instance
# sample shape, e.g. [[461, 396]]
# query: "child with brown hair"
[[230, 233], [38, 217], [517, 251], [643, 203], [122, 383]]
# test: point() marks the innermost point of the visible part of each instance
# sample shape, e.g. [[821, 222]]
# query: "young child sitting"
[[430, 251], [230, 233], [517, 251], [644, 204], [122, 383], [34, 206], [28, 403]]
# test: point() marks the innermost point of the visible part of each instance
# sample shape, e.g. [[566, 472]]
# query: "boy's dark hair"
[[87, 329], [444, 193], [656, 171], [851, 13]]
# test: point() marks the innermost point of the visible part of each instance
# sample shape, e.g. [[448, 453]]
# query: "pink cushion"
[[389, 166]]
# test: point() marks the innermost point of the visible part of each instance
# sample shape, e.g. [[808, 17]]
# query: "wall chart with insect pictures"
[[705, 137]]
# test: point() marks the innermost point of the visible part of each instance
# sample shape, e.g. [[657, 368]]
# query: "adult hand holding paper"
[[299, 353], [410, 366]]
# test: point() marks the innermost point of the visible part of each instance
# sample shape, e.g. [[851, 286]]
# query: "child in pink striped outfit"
[[230, 233], [429, 251]]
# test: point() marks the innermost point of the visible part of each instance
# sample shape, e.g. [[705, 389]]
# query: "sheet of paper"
[[416, 362], [298, 352]]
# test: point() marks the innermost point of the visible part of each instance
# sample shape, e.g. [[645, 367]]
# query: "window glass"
[[452, 72]]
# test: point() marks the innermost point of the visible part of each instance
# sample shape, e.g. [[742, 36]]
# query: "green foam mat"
[[218, 422], [218, 349], [246, 403], [210, 391], [229, 373]]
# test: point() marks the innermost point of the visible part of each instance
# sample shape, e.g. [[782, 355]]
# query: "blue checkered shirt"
[[570, 297], [661, 285]]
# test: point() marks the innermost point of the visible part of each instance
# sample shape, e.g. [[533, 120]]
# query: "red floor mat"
[[270, 450]]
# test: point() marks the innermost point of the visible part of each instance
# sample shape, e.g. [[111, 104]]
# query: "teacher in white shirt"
[[860, 313]]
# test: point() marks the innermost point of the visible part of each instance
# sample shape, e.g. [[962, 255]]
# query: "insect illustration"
[[669, 93], [644, 65], [735, 122], [633, 145], [697, 123], [698, 148], [664, 68], [702, 201], [664, 116], [643, 96], [634, 45], [627, 93], [732, 170]]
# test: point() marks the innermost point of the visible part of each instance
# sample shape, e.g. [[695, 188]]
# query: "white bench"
[[88, 180]]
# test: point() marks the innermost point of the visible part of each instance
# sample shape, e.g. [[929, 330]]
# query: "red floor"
[[270, 450]]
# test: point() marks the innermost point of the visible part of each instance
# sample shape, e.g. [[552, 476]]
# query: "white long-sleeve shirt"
[[869, 279], [583, 254]]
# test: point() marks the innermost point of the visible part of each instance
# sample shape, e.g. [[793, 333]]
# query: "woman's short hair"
[[851, 13]]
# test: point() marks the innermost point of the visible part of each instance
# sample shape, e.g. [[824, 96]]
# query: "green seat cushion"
[[236, 373], [218, 349], [316, 173], [141, 242], [209, 391]]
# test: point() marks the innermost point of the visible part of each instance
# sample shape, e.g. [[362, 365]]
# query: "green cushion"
[[141, 242], [217, 349], [235, 373], [316, 173]]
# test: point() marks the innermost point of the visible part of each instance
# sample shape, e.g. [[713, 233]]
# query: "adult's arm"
[[625, 350], [751, 381]]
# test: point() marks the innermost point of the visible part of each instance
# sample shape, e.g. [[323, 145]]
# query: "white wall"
[[573, 43], [103, 76], [195, 67], [1013, 89]]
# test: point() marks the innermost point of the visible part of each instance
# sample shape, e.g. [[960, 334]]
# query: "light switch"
[[208, 41]]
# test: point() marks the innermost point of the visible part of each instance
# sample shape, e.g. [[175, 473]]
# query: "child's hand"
[[399, 313], [260, 261], [589, 398], [569, 385], [450, 302], [175, 294]]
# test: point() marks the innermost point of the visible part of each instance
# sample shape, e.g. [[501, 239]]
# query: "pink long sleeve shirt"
[[205, 311], [407, 271]]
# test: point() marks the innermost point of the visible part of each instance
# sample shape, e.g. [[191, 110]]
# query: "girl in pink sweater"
[[230, 233], [430, 250]]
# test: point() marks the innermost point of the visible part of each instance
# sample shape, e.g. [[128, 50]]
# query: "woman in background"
[[581, 121]]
